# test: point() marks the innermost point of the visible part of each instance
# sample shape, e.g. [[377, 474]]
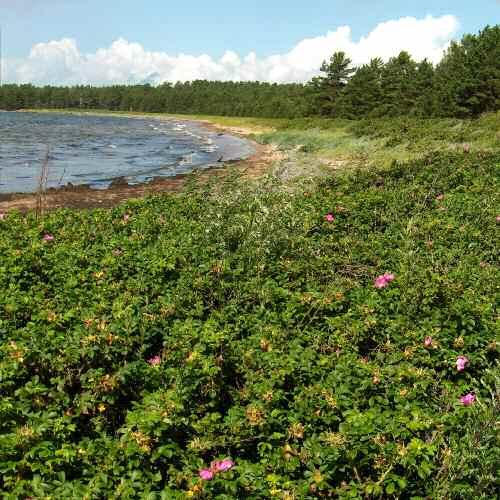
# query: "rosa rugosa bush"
[[241, 345]]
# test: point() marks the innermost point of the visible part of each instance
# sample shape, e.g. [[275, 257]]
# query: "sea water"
[[94, 150]]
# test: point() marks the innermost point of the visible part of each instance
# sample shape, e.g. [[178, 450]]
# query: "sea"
[[95, 150]]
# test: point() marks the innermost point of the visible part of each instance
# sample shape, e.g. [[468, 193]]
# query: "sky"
[[128, 41]]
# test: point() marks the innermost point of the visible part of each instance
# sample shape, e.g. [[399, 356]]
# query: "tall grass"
[[42, 185]]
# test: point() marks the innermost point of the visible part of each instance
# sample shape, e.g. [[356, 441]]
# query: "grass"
[[276, 349], [382, 141]]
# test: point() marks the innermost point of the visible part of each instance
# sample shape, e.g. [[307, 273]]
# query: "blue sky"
[[204, 26], [197, 27]]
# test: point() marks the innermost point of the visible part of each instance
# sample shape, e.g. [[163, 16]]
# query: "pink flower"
[[2, 216], [428, 341], [126, 217], [384, 280], [155, 361], [468, 399], [224, 466], [329, 217], [206, 474], [462, 362], [440, 197], [498, 218], [48, 237]]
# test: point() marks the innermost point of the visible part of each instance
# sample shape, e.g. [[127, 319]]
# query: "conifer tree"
[[327, 89], [468, 77], [424, 83], [362, 94], [399, 90]]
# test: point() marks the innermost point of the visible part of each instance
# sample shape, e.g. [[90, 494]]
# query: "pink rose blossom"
[[155, 361], [468, 399], [462, 362], [206, 474], [384, 280], [329, 217], [428, 341], [48, 237], [224, 466]]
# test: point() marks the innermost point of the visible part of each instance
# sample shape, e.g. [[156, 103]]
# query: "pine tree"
[[327, 89], [362, 94], [425, 103], [399, 90], [468, 77]]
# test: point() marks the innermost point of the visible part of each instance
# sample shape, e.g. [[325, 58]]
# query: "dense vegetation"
[[465, 83], [203, 97], [336, 340]]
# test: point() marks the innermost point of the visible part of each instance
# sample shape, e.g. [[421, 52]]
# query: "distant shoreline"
[[83, 196]]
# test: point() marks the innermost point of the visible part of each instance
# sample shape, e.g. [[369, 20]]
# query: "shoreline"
[[85, 197]]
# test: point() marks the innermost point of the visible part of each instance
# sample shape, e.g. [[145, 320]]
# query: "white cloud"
[[61, 62]]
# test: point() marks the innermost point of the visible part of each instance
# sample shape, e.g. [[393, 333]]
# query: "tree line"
[[197, 97], [465, 83]]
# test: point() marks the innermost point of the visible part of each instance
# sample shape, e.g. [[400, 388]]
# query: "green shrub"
[[276, 350]]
